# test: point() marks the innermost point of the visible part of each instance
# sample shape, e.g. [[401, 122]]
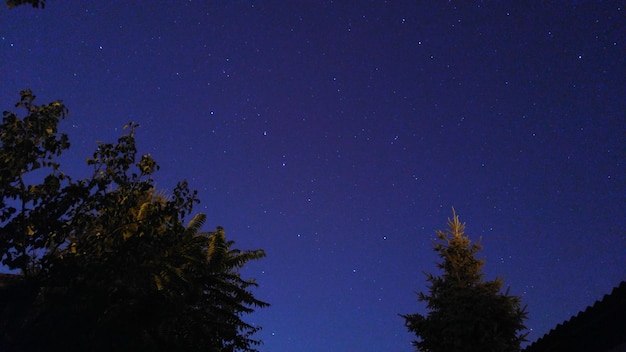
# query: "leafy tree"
[[108, 258], [29, 146], [34, 3], [466, 314]]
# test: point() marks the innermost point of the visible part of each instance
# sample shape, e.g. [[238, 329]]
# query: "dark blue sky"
[[338, 137]]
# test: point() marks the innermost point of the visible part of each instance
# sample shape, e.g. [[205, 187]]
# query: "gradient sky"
[[337, 135]]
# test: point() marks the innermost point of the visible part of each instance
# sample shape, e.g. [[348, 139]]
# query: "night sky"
[[338, 137]]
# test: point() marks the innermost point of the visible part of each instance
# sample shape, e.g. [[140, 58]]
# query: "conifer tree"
[[465, 313]]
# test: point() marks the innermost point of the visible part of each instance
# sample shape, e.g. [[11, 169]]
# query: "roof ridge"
[[590, 313]]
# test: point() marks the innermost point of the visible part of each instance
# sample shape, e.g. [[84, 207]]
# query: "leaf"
[[158, 282]]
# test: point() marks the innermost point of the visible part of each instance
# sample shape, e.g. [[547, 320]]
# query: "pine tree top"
[[458, 254], [465, 313]]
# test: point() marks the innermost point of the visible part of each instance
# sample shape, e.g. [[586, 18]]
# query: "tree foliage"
[[108, 259], [34, 3], [465, 313]]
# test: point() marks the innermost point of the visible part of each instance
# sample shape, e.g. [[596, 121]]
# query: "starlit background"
[[337, 135]]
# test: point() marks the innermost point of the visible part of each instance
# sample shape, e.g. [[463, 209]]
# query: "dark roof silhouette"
[[599, 328]]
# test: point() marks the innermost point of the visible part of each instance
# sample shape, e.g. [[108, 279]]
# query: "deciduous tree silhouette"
[[107, 263], [34, 3]]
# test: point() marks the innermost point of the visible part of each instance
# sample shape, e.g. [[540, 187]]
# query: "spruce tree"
[[465, 313]]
